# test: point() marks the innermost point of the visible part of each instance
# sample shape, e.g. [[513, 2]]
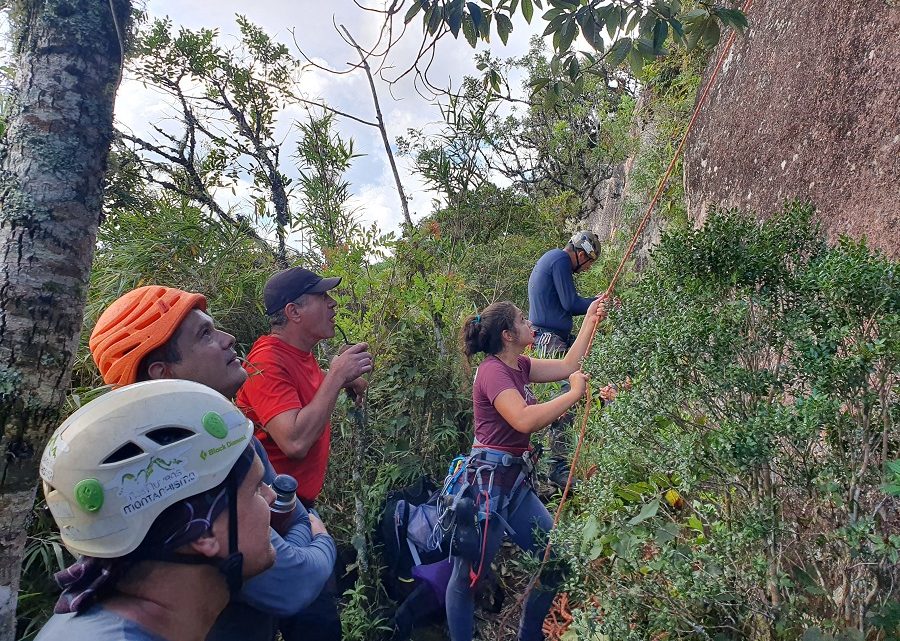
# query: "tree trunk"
[[52, 163]]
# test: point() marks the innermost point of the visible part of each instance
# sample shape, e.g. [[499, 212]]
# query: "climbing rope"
[[560, 617]]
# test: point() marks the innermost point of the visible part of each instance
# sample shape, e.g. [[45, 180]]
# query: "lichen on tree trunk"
[[52, 164]]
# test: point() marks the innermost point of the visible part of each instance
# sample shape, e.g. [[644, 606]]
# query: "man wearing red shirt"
[[288, 396], [290, 400]]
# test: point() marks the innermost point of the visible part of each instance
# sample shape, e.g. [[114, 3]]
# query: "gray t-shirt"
[[95, 623]]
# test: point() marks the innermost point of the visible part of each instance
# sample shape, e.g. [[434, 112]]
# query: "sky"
[[311, 23]]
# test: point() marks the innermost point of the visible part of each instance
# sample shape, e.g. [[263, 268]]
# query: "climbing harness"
[[469, 503]]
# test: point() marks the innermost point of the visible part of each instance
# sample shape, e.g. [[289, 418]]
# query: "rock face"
[[616, 206], [807, 106]]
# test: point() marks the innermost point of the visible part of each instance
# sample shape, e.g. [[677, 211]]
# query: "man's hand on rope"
[[597, 309]]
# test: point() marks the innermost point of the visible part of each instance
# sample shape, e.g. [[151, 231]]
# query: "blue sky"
[[312, 25]]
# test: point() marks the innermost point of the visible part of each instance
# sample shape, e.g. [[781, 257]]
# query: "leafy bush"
[[44, 556], [746, 487]]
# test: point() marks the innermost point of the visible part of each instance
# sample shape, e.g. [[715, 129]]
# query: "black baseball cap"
[[290, 284]]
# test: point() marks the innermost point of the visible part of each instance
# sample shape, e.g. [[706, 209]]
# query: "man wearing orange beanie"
[[157, 332]]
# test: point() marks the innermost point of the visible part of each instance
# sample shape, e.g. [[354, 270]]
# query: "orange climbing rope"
[[560, 615]]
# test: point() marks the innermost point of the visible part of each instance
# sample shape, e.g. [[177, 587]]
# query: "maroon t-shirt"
[[494, 376]]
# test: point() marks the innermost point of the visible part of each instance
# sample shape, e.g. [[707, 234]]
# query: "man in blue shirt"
[[553, 301], [157, 332]]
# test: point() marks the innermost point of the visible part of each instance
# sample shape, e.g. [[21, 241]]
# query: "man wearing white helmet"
[[552, 302], [156, 332], [156, 485]]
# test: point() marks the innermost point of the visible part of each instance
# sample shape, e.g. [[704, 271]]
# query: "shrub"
[[741, 488]]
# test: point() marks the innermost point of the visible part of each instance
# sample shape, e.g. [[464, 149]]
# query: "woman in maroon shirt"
[[497, 473]]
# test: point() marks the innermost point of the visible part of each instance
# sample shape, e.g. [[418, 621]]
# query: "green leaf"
[[695, 14], [551, 14], [504, 27], [574, 68], [660, 481], [612, 22], [645, 48], [627, 494], [692, 36], [660, 32], [454, 20], [527, 10], [694, 523], [538, 83], [619, 51], [485, 28], [433, 17], [711, 33], [578, 85], [591, 528], [645, 27], [413, 10], [567, 34], [667, 533], [590, 29], [469, 31], [551, 96], [477, 16], [554, 25], [733, 18], [648, 511], [634, 22], [554, 65]]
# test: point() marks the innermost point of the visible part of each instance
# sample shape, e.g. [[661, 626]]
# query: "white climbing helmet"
[[586, 241], [114, 465]]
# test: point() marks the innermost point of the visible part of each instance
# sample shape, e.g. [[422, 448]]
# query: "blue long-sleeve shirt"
[[552, 299], [303, 564]]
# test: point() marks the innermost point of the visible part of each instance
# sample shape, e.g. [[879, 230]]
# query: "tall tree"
[[52, 162], [230, 100]]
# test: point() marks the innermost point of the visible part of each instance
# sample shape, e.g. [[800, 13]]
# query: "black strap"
[[233, 565]]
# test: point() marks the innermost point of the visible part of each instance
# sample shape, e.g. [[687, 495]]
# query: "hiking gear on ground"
[[290, 284], [586, 241], [408, 523], [136, 324]]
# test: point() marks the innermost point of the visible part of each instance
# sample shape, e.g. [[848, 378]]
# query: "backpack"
[[408, 535]]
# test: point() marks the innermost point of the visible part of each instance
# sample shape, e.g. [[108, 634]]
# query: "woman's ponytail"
[[484, 332]]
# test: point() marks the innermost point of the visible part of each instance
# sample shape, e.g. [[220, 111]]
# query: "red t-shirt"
[[284, 378], [494, 376]]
